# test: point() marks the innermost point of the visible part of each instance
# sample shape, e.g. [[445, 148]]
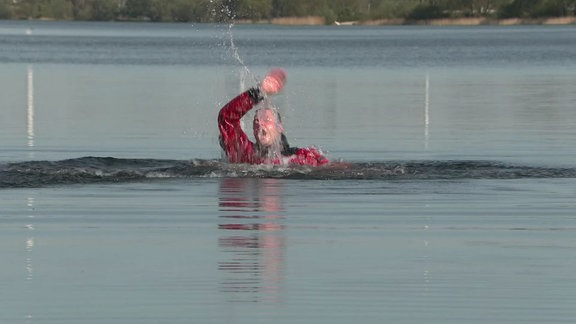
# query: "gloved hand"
[[274, 81]]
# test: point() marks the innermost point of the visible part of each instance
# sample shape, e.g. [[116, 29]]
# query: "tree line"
[[258, 10]]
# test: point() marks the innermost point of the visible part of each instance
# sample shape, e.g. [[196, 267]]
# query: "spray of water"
[[248, 79], [228, 17]]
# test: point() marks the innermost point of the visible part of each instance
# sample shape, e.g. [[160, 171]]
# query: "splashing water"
[[248, 79], [245, 73], [246, 76], [113, 170]]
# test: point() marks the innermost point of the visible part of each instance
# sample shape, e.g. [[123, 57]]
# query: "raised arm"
[[232, 138]]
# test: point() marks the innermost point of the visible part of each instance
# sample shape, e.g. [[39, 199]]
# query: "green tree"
[[552, 8], [391, 8], [537, 8], [331, 10], [78, 8], [103, 9], [158, 10], [182, 11], [205, 11], [253, 9], [349, 10], [136, 9], [289, 8], [469, 8], [154, 10], [427, 11], [62, 9], [6, 9], [26, 9]]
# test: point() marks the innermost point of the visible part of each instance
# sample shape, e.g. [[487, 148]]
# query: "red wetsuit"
[[239, 149]]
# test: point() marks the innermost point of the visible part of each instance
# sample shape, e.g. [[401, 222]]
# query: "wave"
[[116, 170]]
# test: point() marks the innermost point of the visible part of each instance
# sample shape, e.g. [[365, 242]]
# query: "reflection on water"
[[30, 239], [252, 239], [30, 106], [426, 111], [29, 247]]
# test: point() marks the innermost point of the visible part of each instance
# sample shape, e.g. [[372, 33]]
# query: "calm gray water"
[[459, 205]]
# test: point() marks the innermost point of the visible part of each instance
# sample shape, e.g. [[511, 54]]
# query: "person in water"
[[271, 146]]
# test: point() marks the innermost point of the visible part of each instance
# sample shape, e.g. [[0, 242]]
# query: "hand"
[[274, 81]]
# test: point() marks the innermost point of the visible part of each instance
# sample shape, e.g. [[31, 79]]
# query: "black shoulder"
[[287, 150]]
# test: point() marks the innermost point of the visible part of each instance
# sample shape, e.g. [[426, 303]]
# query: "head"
[[267, 127]]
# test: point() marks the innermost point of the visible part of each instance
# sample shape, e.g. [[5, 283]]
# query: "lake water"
[[457, 204]]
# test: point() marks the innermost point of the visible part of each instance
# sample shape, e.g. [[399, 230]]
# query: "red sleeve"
[[235, 143], [309, 156]]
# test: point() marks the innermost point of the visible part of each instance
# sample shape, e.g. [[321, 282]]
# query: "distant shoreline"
[[314, 20], [320, 21]]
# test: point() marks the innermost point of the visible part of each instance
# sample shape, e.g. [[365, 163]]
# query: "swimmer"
[[271, 145]]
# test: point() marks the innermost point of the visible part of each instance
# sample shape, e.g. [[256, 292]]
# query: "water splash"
[[30, 108], [426, 111], [229, 17], [113, 170]]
